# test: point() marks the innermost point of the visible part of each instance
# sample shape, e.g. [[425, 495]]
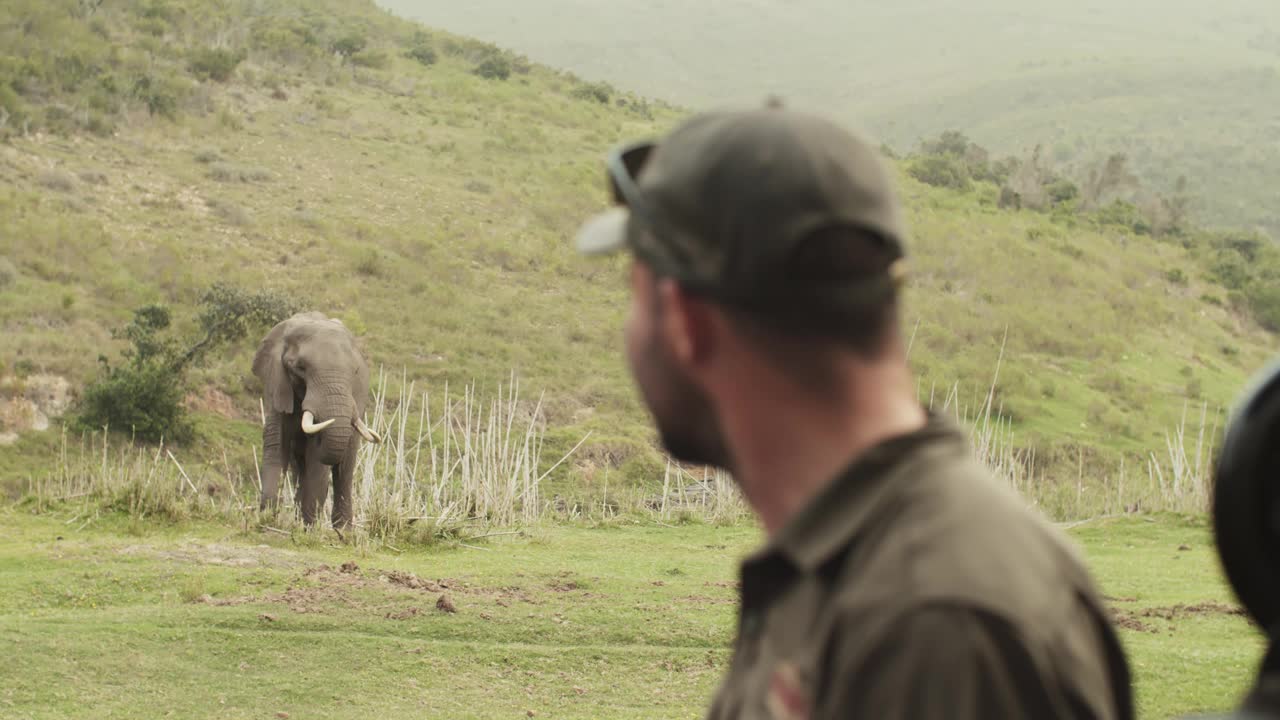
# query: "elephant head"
[[315, 389]]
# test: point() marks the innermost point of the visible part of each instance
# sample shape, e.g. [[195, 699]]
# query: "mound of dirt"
[[1174, 612], [1133, 619]]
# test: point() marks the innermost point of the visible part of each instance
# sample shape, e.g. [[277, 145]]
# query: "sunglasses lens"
[[631, 161], [634, 159]]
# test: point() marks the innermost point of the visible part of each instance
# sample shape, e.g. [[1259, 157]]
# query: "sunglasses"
[[624, 164]]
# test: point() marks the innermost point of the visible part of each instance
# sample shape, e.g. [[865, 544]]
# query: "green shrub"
[[8, 273], [493, 67], [421, 49], [1062, 191], [349, 44], [143, 396], [600, 92], [375, 59], [940, 171], [217, 64], [1264, 304]]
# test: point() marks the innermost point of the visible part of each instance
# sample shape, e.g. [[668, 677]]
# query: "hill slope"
[[431, 208], [1185, 89]]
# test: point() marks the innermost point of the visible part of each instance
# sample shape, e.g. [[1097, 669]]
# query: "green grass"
[[1184, 90], [566, 621], [431, 210]]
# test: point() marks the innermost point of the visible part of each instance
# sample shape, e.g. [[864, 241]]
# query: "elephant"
[[315, 389]]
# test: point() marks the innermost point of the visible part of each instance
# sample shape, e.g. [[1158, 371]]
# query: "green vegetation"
[[1184, 91], [144, 397], [211, 622], [430, 206]]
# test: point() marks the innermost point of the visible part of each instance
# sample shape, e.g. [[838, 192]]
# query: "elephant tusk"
[[367, 433], [310, 426]]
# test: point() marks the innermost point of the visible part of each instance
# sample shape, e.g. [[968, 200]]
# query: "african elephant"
[[315, 389]]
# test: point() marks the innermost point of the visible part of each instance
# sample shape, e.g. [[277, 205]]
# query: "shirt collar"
[[842, 510]]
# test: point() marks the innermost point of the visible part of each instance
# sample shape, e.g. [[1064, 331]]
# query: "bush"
[[374, 59], [940, 171], [600, 92], [8, 273], [215, 64], [144, 396], [493, 67], [422, 51], [1063, 191], [349, 44], [143, 399], [1264, 305]]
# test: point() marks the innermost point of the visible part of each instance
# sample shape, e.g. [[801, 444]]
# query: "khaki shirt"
[[917, 586]]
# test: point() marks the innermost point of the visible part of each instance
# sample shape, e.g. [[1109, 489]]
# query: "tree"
[[1111, 181], [144, 395]]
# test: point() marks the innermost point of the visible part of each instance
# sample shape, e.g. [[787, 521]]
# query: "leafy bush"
[[8, 273], [493, 67], [600, 92], [940, 171], [1264, 304], [144, 395], [215, 64], [375, 59], [422, 50], [1063, 191], [349, 44]]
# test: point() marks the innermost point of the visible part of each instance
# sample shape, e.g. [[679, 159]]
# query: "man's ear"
[[687, 325]]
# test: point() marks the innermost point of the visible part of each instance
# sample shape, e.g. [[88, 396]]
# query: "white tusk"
[[367, 433], [310, 426]]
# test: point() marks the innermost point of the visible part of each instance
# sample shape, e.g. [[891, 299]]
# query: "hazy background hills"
[[1184, 88]]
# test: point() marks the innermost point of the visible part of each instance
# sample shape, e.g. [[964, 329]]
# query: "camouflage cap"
[[726, 200]]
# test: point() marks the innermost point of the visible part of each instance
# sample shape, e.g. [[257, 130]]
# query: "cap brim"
[[603, 234]]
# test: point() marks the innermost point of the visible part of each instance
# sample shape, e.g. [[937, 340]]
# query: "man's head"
[[762, 239]]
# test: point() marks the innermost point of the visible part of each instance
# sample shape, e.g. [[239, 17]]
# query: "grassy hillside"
[[424, 187], [1185, 88]]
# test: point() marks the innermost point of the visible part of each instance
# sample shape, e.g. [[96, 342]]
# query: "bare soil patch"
[[1140, 619]]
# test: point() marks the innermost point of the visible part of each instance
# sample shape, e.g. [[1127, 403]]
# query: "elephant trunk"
[[332, 401]]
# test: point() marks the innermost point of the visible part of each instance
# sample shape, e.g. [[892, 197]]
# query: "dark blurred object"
[[1246, 525]]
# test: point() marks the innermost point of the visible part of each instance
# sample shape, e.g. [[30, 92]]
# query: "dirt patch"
[[564, 586], [1140, 620], [212, 400], [218, 554], [28, 404], [404, 614], [706, 600], [1174, 612], [1128, 621], [411, 581]]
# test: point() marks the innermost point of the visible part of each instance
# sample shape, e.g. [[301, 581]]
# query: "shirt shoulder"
[[950, 661]]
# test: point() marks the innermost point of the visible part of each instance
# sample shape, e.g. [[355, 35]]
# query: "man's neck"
[[787, 446]]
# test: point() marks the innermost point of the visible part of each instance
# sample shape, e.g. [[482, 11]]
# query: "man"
[[899, 579]]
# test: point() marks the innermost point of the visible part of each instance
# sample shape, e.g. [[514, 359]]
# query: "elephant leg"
[[343, 485], [274, 459], [314, 484]]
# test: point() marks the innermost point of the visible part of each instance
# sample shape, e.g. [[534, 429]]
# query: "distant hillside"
[[1186, 89], [424, 187]]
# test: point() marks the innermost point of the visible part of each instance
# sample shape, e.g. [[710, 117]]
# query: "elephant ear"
[[268, 366]]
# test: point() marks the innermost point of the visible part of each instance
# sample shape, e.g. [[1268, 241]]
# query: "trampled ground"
[[113, 618]]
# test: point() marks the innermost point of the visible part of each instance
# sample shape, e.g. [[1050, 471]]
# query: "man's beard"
[[683, 416]]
